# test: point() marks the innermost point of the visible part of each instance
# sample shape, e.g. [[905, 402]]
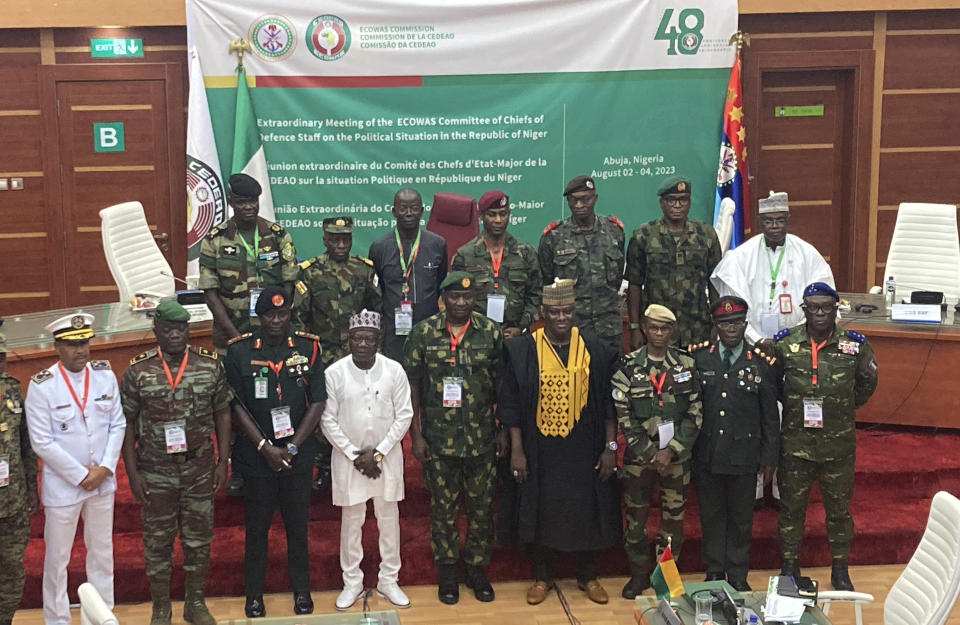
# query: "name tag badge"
[[680, 259], [786, 304], [254, 296], [813, 412], [259, 387], [175, 434], [452, 392], [282, 427], [665, 433], [403, 320], [683, 376], [769, 324], [269, 255], [495, 305]]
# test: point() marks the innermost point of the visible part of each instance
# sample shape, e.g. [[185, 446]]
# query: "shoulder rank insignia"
[[213, 232], [203, 351], [366, 260], [307, 335], [100, 365], [551, 226], [41, 376], [143, 356], [697, 346], [245, 335], [306, 263], [856, 336], [782, 334], [615, 220], [301, 287], [276, 227]]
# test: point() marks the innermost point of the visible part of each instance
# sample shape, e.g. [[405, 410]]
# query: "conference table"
[[380, 617], [646, 613]]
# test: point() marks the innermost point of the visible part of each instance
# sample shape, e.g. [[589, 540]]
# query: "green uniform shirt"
[[149, 403], [675, 273], [467, 430], [326, 294], [638, 403], [846, 378], [300, 381], [594, 260], [227, 266], [15, 444], [519, 278]]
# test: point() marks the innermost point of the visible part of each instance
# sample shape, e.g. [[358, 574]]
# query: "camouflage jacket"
[[519, 278], [675, 274], [467, 430], [594, 259], [326, 294], [638, 403], [846, 378], [15, 444], [225, 265], [149, 404]]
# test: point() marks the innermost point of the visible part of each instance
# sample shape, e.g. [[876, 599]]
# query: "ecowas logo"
[[685, 33], [273, 37], [328, 37], [205, 200]]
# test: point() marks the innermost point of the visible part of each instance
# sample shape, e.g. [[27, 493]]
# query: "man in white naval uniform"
[[76, 427], [368, 412]]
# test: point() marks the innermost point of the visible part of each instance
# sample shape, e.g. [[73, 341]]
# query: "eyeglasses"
[[659, 329], [676, 201], [732, 324], [822, 309]]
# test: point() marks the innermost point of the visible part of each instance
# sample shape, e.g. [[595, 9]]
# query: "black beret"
[[243, 185], [270, 298], [579, 183]]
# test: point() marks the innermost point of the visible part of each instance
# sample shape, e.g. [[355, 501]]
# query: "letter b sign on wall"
[[108, 137]]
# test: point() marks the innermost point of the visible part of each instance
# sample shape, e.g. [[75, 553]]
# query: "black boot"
[[448, 590], [790, 567], [477, 580], [839, 576], [638, 582]]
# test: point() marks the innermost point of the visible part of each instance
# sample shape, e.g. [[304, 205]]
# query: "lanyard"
[[251, 253], [276, 367], [406, 264], [658, 385], [166, 369], [775, 271], [495, 261], [814, 348], [455, 340], [86, 388]]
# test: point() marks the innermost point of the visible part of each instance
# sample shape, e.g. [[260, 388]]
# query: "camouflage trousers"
[[447, 478], [15, 530], [835, 478], [180, 501], [638, 481]]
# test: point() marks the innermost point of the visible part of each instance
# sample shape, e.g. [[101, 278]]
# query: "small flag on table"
[[666, 578]]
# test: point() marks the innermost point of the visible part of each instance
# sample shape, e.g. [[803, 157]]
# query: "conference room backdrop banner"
[[359, 98]]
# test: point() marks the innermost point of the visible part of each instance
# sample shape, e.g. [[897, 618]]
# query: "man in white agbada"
[[770, 272], [368, 412]]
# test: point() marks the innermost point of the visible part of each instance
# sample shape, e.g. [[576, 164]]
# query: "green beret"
[[338, 225], [674, 184], [457, 281], [170, 311]]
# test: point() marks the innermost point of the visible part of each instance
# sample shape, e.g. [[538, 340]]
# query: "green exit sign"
[[113, 48], [813, 110]]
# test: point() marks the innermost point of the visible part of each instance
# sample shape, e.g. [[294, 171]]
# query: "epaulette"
[[782, 334], [276, 227], [306, 263], [615, 220], [207, 353], [143, 356], [245, 335], [366, 260], [759, 352], [301, 287], [697, 346], [856, 336], [551, 226], [100, 365], [41, 376], [307, 335], [213, 232]]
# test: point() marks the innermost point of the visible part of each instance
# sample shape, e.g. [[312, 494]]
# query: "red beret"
[[492, 199], [728, 307]]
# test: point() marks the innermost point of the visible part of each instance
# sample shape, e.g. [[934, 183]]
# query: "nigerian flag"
[[666, 578], [248, 156]]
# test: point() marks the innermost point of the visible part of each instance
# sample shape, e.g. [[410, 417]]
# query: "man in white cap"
[[367, 414], [76, 427]]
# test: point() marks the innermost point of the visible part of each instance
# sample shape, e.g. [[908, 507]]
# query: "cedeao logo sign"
[[684, 32]]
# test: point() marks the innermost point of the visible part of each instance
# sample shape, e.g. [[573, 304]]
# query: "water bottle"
[[890, 293], [749, 617]]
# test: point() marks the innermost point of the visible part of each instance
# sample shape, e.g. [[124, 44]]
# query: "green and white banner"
[[357, 99]]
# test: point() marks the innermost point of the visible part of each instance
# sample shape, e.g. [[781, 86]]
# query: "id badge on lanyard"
[[403, 318], [496, 303], [282, 426], [813, 412], [4, 470], [452, 392], [175, 435], [254, 296]]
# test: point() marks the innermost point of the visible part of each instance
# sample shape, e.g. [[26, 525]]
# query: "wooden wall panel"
[[919, 177], [807, 22], [885, 222], [921, 119], [809, 173], [923, 20], [922, 62], [792, 44], [22, 142], [785, 130]]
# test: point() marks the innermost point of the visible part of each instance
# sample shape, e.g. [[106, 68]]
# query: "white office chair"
[[927, 588], [724, 225], [93, 609], [137, 264], [925, 250]]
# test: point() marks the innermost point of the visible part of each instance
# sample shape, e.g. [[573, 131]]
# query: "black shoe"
[[235, 488], [839, 576], [477, 580], [322, 481], [254, 607], [740, 585], [714, 577], [302, 603], [634, 586], [790, 568], [448, 590]]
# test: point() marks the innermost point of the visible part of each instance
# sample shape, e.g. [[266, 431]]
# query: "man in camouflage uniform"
[[506, 271], [825, 373], [330, 288], [174, 397], [669, 262], [587, 249], [18, 490], [657, 394], [453, 361]]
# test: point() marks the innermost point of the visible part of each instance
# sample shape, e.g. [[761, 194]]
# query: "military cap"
[[493, 199], [272, 297], [365, 319], [3, 344], [579, 183], [170, 311], [728, 307], [338, 225], [76, 327], [243, 185], [821, 288], [656, 312], [560, 293], [775, 203], [457, 281], [674, 184]]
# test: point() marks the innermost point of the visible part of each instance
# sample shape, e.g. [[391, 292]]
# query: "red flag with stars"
[[732, 172]]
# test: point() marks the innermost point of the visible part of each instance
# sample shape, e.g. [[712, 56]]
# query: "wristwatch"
[[377, 456], [612, 445], [292, 449]]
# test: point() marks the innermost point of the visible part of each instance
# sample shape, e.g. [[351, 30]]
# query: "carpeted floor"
[[898, 471]]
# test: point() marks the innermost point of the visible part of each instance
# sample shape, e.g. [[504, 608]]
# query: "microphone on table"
[[170, 275]]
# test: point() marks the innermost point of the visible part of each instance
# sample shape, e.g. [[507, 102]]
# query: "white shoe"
[[392, 593], [347, 598]]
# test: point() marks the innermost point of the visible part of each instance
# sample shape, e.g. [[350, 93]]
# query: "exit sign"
[[113, 48]]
